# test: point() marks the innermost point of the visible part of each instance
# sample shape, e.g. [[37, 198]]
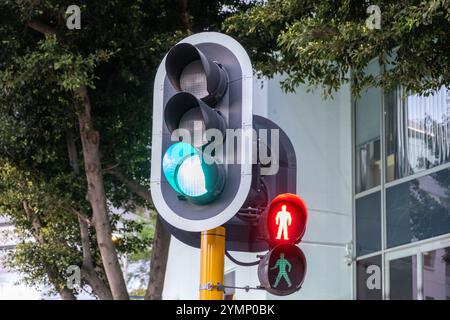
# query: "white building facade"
[[375, 175]]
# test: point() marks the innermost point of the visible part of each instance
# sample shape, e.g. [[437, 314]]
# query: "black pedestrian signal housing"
[[282, 270]]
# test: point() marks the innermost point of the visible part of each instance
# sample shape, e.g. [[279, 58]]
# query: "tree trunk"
[[96, 192], [72, 151], [184, 14], [158, 262], [67, 294], [161, 240], [97, 198], [99, 288]]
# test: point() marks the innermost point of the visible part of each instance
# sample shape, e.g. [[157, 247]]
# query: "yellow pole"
[[212, 260]]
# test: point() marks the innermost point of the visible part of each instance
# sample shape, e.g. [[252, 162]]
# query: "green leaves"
[[59, 226], [115, 54], [320, 42], [52, 64], [136, 238]]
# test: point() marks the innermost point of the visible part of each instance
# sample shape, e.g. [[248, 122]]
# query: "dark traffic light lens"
[[193, 80], [184, 111], [194, 123]]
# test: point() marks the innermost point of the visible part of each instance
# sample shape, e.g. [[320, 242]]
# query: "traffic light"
[[207, 169], [201, 84], [282, 270], [202, 92], [205, 84]]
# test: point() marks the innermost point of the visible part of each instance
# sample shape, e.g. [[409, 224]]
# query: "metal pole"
[[212, 260]]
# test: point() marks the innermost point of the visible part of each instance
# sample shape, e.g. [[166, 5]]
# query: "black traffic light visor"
[[181, 55], [181, 103]]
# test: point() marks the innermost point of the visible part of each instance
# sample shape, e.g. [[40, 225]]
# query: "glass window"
[[417, 132], [418, 209], [367, 135], [436, 275], [403, 278], [369, 278], [368, 224], [428, 259]]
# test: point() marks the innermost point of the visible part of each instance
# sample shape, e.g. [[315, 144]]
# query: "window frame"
[[418, 250], [388, 254], [419, 277]]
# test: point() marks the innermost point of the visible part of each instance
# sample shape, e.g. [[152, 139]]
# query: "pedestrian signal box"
[[282, 270]]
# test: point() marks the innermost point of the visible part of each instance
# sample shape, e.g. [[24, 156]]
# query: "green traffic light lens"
[[191, 178], [172, 159], [190, 175]]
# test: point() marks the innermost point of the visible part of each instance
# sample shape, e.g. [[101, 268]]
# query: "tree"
[[53, 234], [75, 107], [320, 42]]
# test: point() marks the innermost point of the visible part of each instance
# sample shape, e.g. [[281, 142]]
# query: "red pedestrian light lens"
[[286, 220]]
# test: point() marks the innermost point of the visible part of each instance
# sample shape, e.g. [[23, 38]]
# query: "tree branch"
[[72, 151], [85, 242], [34, 221], [90, 141], [96, 193], [158, 265], [184, 14], [82, 93], [131, 184], [41, 27]]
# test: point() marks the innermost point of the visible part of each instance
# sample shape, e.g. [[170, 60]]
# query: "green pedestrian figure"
[[281, 264]]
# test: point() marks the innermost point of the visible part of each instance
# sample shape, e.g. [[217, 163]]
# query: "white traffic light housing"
[[204, 83]]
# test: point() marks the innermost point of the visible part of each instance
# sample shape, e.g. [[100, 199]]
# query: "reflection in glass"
[[367, 135], [417, 132], [369, 279], [436, 275], [418, 209], [368, 224], [368, 165], [403, 278]]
